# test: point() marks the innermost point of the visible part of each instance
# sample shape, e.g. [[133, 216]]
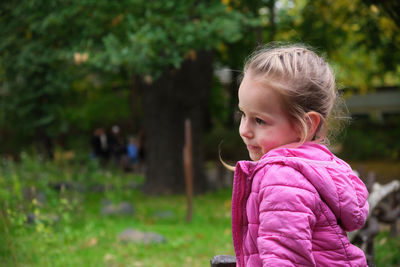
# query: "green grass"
[[82, 237], [387, 250], [91, 240]]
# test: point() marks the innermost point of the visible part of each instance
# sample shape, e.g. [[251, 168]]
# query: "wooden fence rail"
[[223, 261]]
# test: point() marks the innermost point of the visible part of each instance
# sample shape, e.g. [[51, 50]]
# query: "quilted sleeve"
[[287, 215]]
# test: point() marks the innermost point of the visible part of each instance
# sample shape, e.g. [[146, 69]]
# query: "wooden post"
[[188, 169]]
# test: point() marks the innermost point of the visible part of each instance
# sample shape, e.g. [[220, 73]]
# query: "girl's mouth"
[[250, 147]]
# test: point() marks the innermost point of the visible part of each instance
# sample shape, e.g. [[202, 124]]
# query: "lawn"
[[86, 238], [69, 229]]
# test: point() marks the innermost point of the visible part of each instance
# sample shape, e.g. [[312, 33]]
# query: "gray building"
[[376, 104]]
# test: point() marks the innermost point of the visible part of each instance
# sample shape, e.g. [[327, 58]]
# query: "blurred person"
[[117, 144], [100, 145], [129, 161], [132, 150]]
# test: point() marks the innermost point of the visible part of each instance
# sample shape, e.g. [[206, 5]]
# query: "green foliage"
[[226, 142], [49, 49], [219, 100], [99, 110], [357, 37], [69, 66], [36, 69], [368, 140], [165, 34]]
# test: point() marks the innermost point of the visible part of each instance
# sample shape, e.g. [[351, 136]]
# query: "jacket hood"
[[337, 184]]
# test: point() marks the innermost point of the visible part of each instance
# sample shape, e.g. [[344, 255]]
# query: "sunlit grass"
[[81, 236]]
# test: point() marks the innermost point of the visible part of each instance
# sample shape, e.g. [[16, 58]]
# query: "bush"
[[370, 140]]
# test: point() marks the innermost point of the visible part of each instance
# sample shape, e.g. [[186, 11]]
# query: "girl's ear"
[[313, 120]]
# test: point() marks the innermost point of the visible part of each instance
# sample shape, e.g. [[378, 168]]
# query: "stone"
[[98, 188], [30, 218], [105, 201], [166, 214], [134, 236], [133, 185], [123, 208]]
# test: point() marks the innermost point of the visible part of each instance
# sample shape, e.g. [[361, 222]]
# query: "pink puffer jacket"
[[293, 208]]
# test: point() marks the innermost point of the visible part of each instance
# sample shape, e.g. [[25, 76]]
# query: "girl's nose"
[[245, 129]]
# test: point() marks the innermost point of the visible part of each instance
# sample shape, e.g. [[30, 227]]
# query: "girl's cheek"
[[267, 145], [264, 148]]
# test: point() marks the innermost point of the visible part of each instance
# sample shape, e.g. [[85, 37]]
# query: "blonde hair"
[[304, 81]]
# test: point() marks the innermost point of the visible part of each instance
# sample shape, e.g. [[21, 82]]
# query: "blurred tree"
[[390, 7], [36, 72], [162, 49], [362, 42], [260, 26], [385, 35], [66, 64], [169, 53]]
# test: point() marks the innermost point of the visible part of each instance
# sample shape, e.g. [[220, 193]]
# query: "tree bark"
[[178, 94], [44, 144], [272, 23]]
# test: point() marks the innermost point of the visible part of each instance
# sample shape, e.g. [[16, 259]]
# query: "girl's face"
[[264, 125]]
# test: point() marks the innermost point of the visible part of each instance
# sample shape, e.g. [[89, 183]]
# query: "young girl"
[[293, 203]]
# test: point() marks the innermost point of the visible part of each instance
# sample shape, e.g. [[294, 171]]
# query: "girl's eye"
[[259, 121]]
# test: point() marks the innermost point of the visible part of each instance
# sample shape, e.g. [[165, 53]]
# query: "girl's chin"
[[254, 156]]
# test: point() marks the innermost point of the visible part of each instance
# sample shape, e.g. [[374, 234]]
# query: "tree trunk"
[[272, 23], [178, 94], [44, 144], [233, 99]]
